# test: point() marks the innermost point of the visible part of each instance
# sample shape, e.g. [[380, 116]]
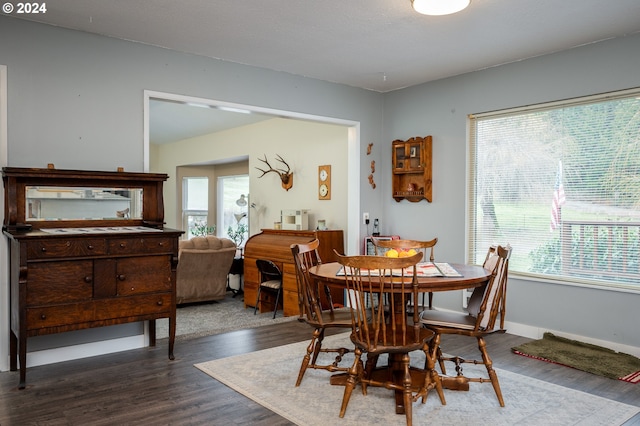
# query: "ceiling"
[[174, 121], [379, 45]]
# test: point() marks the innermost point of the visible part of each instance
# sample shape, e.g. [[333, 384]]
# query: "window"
[[195, 206], [561, 183], [233, 207]]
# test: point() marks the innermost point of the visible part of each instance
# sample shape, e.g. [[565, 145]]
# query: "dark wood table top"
[[472, 276]]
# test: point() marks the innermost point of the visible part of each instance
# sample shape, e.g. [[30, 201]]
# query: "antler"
[[271, 169], [285, 175]]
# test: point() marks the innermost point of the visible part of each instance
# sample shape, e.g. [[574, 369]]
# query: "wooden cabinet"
[[73, 274], [275, 245], [411, 169]]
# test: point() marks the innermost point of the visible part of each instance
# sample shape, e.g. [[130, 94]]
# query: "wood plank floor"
[[143, 387]]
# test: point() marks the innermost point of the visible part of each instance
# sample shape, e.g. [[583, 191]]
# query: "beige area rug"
[[207, 319], [268, 377]]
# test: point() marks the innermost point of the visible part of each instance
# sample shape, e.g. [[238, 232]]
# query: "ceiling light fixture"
[[439, 7]]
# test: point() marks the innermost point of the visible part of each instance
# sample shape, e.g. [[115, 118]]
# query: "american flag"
[[558, 199]]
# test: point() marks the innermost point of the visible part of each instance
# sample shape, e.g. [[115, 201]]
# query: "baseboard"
[[533, 332], [537, 333], [68, 353]]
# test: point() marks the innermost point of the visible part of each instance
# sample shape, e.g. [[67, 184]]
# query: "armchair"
[[203, 266]]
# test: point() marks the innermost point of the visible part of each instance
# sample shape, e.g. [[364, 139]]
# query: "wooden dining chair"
[[486, 302], [377, 329], [312, 312], [426, 247]]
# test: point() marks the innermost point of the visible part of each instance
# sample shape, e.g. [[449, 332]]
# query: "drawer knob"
[[90, 247], [123, 245], [122, 277], [43, 317], [88, 279], [43, 249], [159, 302]]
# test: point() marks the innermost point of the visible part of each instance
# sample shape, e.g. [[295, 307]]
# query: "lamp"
[[242, 201], [439, 7]]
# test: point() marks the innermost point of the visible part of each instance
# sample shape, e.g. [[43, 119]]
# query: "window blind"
[[560, 182]]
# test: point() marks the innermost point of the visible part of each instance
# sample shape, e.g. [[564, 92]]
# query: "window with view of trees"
[[233, 207], [195, 206], [560, 182]]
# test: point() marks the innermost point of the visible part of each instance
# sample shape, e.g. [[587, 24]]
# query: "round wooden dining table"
[[469, 276]]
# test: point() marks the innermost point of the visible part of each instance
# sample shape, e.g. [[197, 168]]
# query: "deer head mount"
[[286, 176]]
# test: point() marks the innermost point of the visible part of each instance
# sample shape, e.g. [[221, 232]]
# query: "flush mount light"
[[439, 7]]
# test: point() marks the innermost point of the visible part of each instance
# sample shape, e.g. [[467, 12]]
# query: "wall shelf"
[[411, 169]]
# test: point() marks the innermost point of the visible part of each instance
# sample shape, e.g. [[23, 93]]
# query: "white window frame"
[[477, 240], [188, 213], [224, 219]]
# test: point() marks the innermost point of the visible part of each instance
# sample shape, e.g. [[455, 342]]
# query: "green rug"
[[583, 356]]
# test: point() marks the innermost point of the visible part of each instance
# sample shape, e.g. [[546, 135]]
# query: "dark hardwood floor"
[[143, 387]]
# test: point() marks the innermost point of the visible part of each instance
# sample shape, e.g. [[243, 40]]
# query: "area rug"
[[268, 378], [583, 356], [207, 319]]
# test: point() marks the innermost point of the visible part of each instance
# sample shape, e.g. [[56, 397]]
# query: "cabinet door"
[[415, 158], [148, 274], [399, 157], [251, 278], [51, 283]]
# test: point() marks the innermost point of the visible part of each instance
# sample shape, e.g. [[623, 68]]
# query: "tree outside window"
[[587, 148]]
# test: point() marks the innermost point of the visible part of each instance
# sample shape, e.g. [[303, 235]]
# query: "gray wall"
[[440, 109], [76, 100]]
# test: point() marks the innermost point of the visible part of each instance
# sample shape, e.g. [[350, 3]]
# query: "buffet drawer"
[[146, 245], [103, 310], [124, 307], [55, 248]]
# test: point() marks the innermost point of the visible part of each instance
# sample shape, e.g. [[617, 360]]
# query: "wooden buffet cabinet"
[[275, 245], [73, 273], [411, 169]]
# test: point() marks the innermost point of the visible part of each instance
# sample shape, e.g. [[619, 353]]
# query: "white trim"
[[353, 149], [536, 333], [353, 190], [4, 245], [532, 332], [544, 106], [85, 350]]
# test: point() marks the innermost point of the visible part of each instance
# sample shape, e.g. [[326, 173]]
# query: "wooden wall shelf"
[[411, 169]]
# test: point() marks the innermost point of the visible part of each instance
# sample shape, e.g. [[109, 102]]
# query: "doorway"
[[353, 144]]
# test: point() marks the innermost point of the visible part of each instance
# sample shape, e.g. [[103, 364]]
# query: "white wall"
[[4, 244], [303, 145]]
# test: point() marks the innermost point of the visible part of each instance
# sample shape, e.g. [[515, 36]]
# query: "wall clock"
[[324, 182]]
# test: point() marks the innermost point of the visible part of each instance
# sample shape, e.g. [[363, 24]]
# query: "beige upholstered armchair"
[[203, 266]]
